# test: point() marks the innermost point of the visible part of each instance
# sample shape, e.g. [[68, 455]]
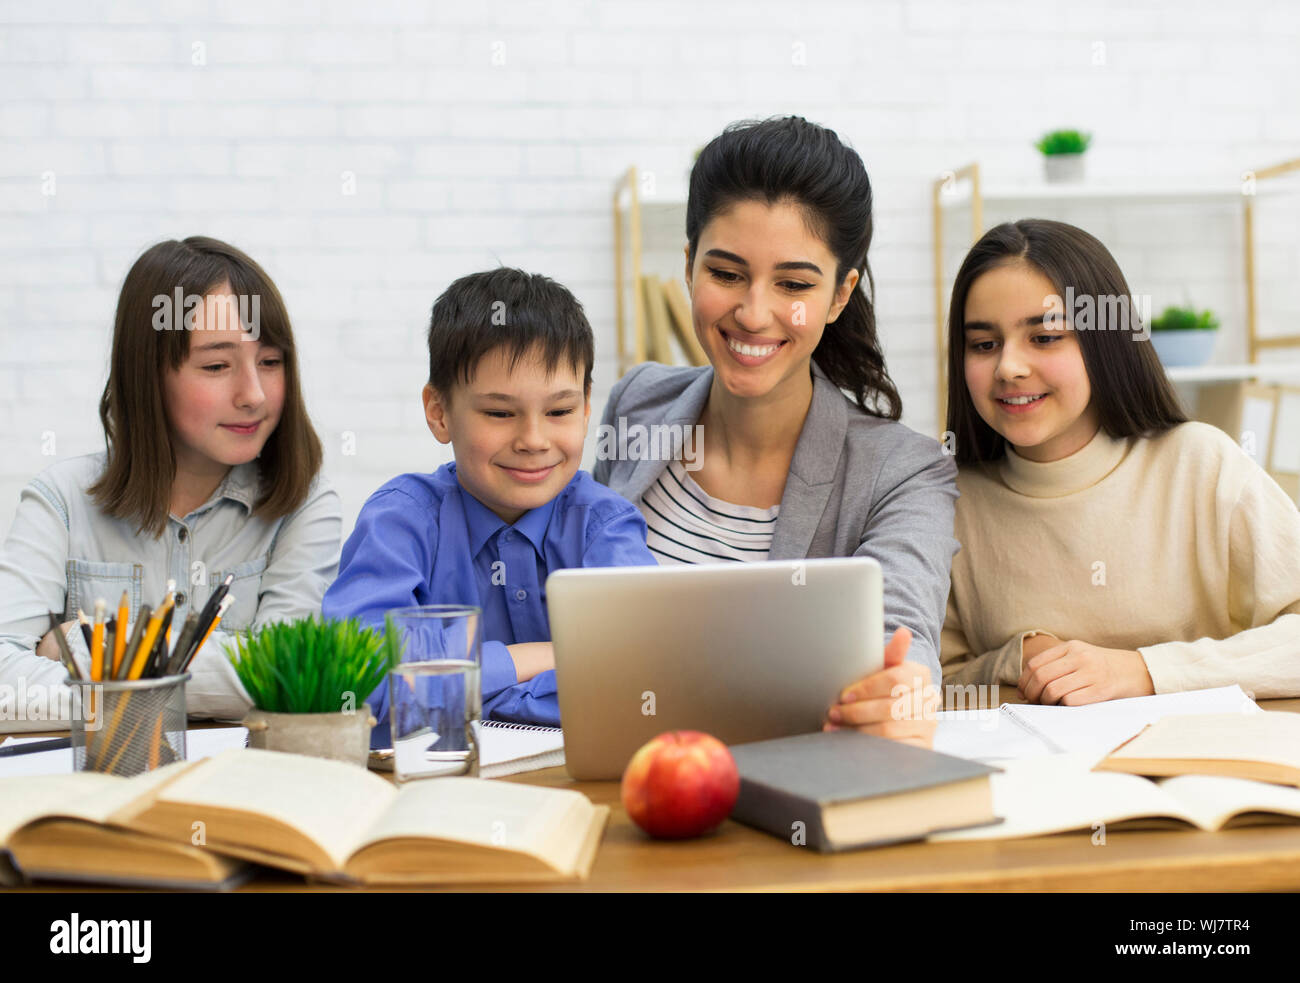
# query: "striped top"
[[685, 524]]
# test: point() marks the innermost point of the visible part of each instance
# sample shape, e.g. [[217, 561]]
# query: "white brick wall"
[[486, 133]]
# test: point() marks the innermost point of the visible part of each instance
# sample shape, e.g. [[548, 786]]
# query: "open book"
[[334, 821], [1264, 747], [1037, 796], [55, 827]]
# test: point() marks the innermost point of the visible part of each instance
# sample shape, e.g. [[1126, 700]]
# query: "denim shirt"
[[64, 553]]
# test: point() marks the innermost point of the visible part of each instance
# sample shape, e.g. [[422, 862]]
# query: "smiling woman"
[[800, 453], [210, 471]]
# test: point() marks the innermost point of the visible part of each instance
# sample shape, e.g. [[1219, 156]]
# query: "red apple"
[[682, 783]]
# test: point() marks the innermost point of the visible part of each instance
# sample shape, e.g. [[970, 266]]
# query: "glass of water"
[[434, 698]]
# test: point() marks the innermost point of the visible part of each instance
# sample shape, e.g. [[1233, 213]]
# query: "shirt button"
[[183, 535], [180, 599], [520, 595]]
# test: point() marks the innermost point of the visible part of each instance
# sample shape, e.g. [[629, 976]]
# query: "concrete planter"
[[338, 736], [1063, 168], [1184, 349]]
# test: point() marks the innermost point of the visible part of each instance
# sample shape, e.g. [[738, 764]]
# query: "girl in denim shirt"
[[211, 469]]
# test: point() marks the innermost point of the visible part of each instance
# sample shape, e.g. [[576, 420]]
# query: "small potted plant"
[[1062, 152], [1184, 337], [308, 680]]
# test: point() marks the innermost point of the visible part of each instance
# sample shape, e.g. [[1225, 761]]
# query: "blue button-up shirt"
[[422, 539]]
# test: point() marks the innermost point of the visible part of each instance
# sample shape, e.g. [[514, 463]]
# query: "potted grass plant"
[[1184, 336], [308, 680], [1063, 152]]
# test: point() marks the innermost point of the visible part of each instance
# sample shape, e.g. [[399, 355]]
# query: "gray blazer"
[[858, 486]]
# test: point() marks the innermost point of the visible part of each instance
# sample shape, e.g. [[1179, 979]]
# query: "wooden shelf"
[[1091, 192], [1275, 372]]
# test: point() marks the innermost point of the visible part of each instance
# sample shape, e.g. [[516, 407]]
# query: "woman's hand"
[[1074, 673], [897, 702]]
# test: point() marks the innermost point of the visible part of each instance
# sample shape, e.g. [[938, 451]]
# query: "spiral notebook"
[[503, 749], [507, 749]]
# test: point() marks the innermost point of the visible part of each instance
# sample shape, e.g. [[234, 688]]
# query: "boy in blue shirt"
[[510, 358]]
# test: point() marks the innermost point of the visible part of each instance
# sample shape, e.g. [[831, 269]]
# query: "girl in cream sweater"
[[1109, 547]]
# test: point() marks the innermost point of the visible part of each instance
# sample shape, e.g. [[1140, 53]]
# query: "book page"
[[1215, 800], [1100, 727], [498, 815], [1038, 796], [331, 802], [31, 797], [1271, 737]]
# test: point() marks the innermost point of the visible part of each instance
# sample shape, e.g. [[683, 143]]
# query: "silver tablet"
[[742, 651]]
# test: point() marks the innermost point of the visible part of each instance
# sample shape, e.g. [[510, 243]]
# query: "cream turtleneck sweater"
[[1179, 546]]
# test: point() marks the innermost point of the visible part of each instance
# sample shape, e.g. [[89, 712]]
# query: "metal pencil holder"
[[126, 728]]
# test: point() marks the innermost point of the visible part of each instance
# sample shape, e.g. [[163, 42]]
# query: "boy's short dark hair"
[[506, 307]]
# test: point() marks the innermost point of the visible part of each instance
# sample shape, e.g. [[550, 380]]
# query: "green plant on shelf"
[[1185, 319], [1063, 142], [311, 665]]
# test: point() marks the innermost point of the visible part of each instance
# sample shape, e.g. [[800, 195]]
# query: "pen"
[[221, 609]]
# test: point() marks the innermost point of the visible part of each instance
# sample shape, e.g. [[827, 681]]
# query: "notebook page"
[[503, 745], [985, 735], [1100, 727]]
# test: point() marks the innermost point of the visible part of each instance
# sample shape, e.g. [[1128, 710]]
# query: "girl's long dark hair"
[[791, 159], [1132, 394]]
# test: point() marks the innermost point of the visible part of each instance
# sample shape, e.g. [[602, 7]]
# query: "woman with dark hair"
[[211, 470], [1110, 548], [786, 466]]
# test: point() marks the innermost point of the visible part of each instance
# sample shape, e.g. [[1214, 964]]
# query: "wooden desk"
[[737, 858]]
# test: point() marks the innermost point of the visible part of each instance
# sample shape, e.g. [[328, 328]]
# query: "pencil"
[[145, 648], [85, 627], [119, 639], [65, 653], [183, 642], [97, 644], [221, 609], [142, 619], [159, 654]]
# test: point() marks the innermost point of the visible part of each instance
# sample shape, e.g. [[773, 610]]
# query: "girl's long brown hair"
[[137, 480], [1132, 394]]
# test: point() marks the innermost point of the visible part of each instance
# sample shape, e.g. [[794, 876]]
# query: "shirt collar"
[[1054, 479], [483, 523], [241, 484]]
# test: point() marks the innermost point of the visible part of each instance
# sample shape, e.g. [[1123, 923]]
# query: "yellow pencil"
[[146, 643], [119, 637], [97, 644]]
